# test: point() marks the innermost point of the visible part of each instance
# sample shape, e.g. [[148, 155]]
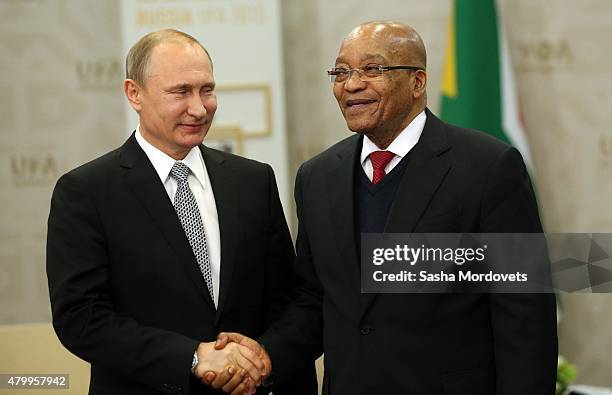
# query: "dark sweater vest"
[[373, 201]]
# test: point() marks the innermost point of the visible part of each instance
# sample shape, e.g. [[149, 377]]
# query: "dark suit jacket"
[[456, 180], [126, 291]]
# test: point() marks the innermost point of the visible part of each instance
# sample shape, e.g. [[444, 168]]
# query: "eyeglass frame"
[[360, 72]]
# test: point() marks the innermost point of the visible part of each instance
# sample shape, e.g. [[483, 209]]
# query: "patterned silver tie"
[[187, 210]]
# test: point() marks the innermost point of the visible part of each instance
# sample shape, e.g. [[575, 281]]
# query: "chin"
[[192, 141], [359, 129], [359, 125]]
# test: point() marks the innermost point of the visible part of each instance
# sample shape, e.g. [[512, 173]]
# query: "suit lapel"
[[141, 178], [225, 189], [340, 184], [423, 175], [427, 167]]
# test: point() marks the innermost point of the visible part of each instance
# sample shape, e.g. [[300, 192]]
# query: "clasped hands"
[[235, 364]]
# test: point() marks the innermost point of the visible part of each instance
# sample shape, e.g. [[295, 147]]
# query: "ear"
[[420, 83], [132, 91]]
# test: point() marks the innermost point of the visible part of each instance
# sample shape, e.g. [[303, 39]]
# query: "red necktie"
[[380, 160]]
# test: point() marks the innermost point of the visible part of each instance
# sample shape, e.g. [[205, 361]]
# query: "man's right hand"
[[232, 380], [227, 338], [227, 379], [237, 369]]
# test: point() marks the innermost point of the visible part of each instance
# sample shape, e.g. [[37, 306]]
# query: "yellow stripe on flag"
[[449, 80]]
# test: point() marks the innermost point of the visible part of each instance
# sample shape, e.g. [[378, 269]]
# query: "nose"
[[354, 82], [196, 107]]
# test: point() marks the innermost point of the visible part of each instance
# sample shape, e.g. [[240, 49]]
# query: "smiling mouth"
[[356, 104], [192, 125]]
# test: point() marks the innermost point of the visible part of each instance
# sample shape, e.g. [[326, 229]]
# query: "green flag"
[[478, 89]]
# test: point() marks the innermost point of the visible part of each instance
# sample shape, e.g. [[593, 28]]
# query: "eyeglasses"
[[366, 73]]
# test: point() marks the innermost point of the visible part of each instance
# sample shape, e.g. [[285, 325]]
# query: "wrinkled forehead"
[[377, 46]]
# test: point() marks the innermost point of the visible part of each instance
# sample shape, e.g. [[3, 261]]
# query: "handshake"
[[235, 364]]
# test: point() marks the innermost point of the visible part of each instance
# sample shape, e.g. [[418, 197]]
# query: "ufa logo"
[[33, 169], [99, 74]]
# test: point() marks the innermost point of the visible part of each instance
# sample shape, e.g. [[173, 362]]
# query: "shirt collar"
[[403, 143], [163, 163]]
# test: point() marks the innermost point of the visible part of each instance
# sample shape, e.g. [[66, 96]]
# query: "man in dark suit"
[[157, 246], [406, 171]]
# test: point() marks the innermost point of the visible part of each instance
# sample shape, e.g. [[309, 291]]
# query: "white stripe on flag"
[[512, 124]]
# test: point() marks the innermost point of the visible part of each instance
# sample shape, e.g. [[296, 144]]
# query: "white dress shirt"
[[200, 186], [402, 144]]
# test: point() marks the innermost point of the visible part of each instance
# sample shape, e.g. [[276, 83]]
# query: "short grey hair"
[[138, 57]]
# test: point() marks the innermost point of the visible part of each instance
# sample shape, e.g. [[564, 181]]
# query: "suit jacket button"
[[365, 330]]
